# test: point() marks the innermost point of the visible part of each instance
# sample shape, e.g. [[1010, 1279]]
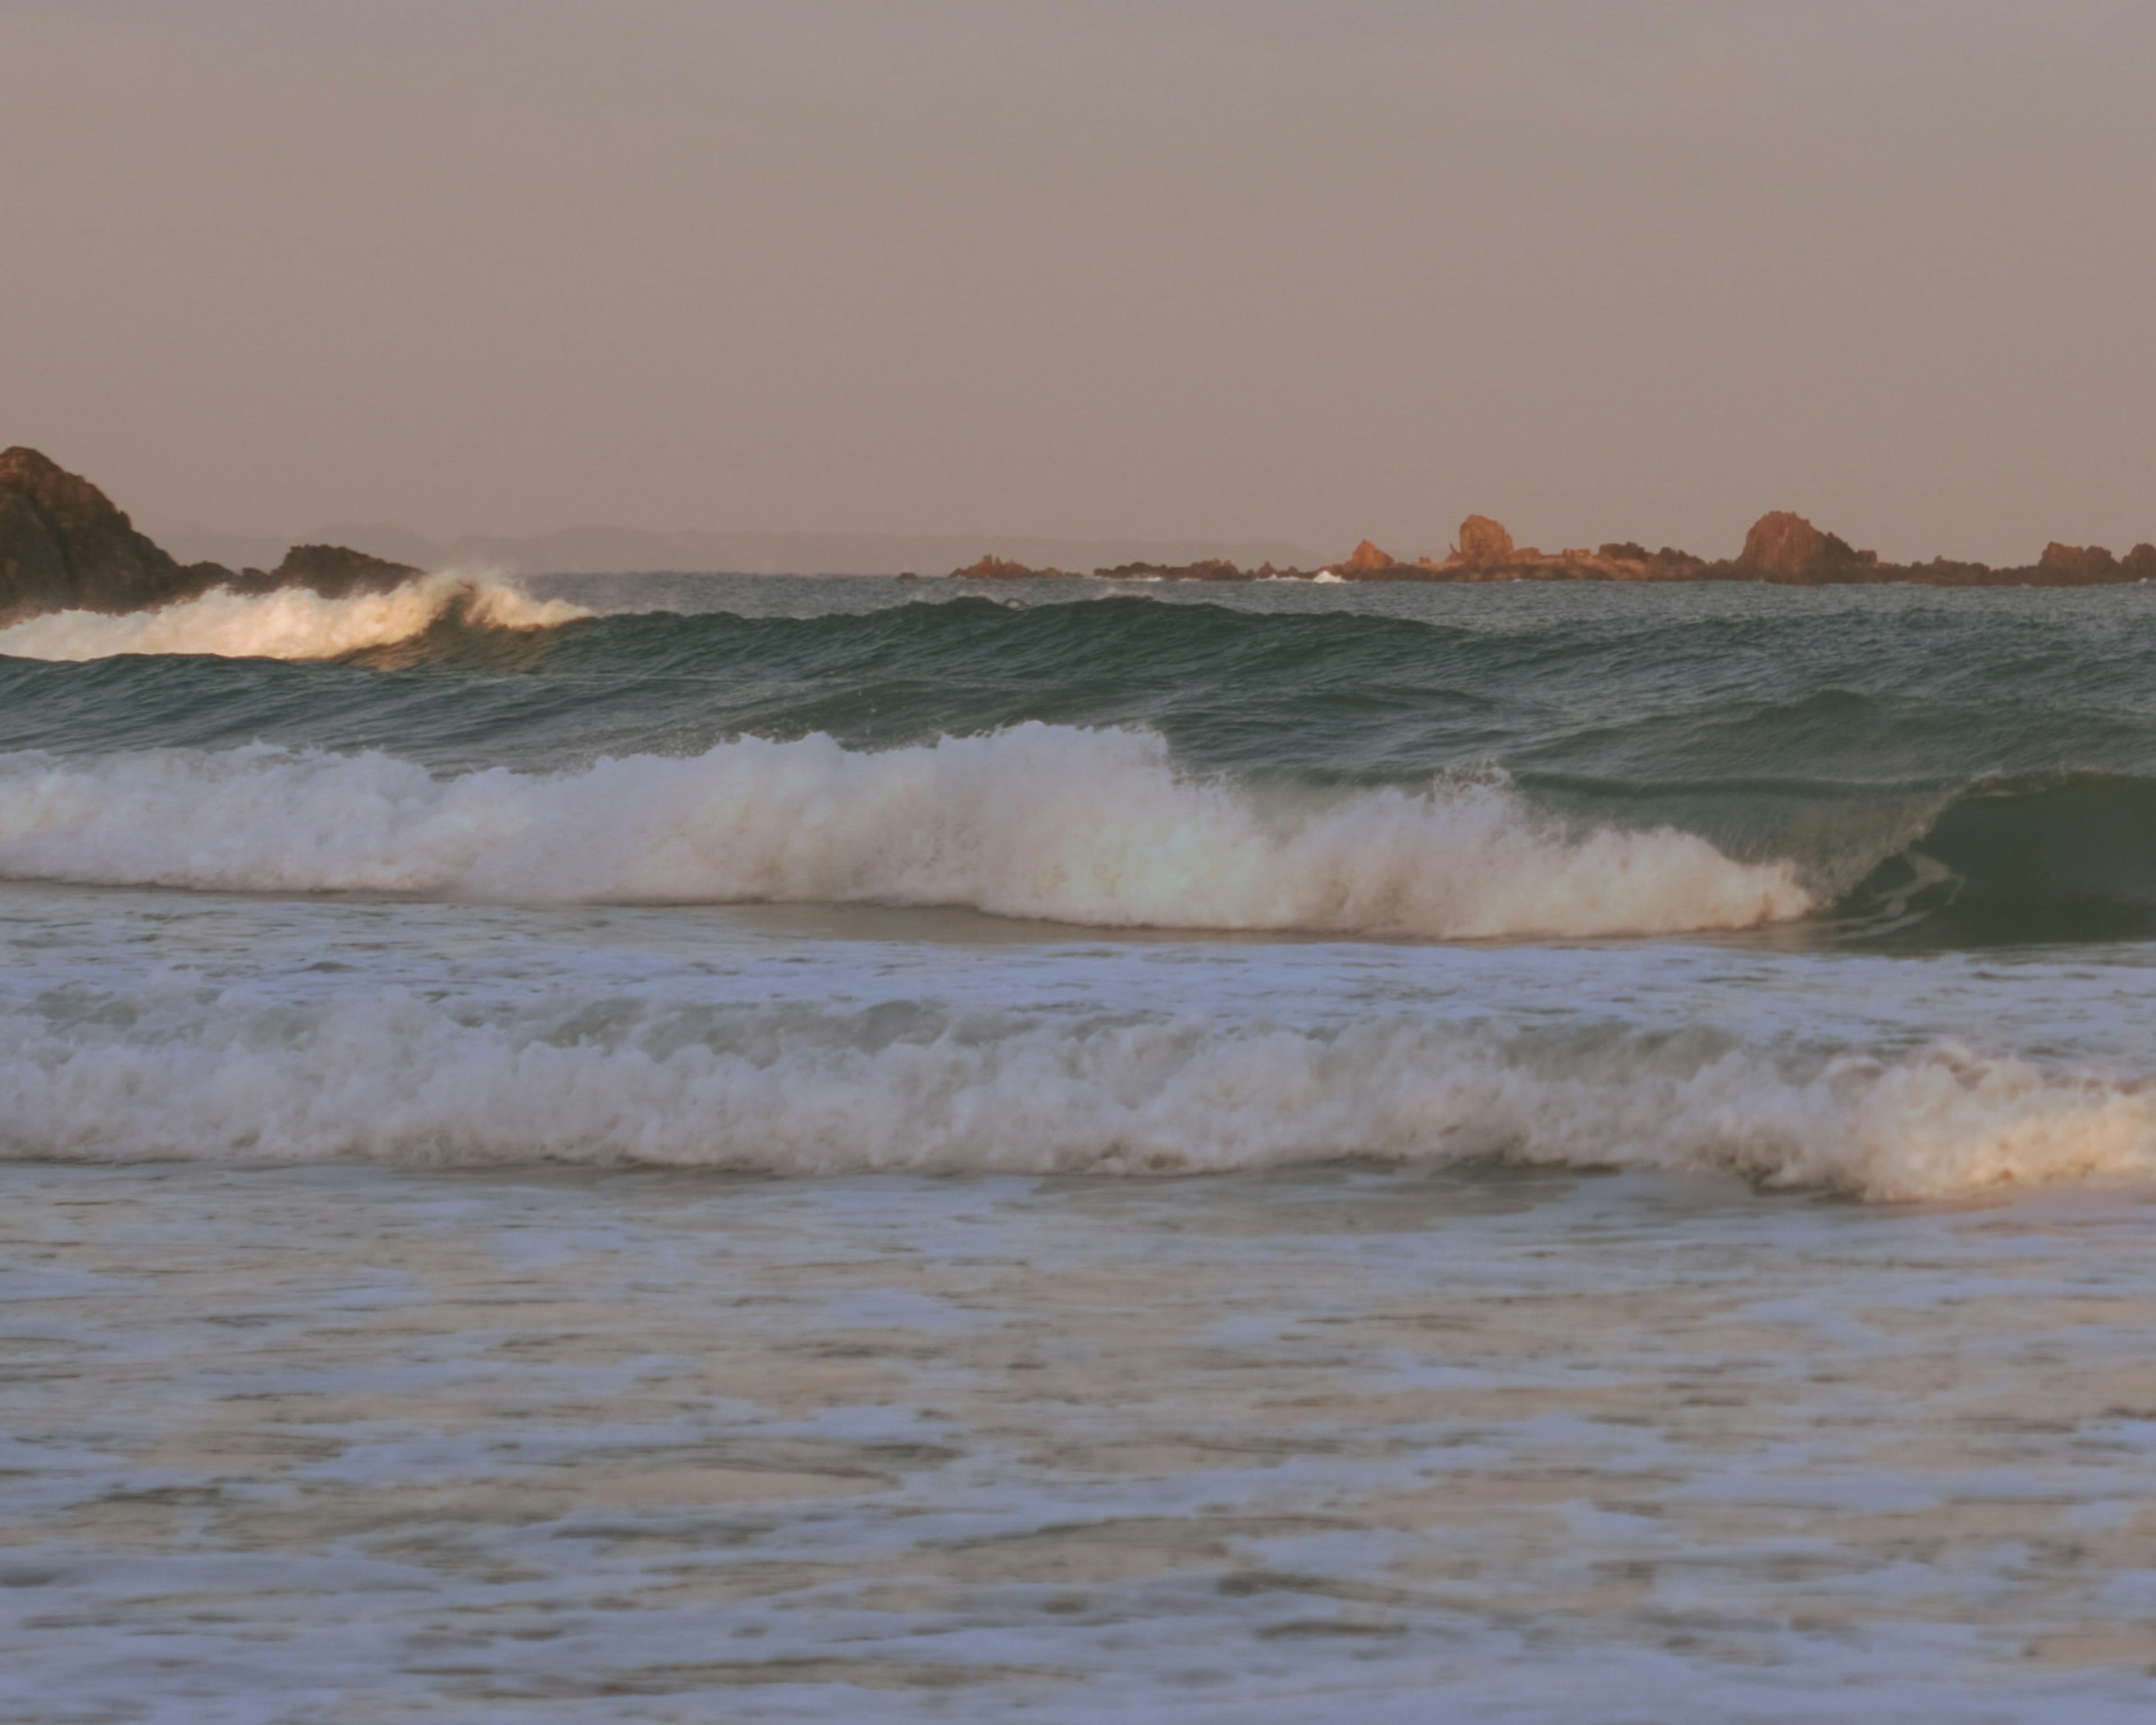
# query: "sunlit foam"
[[1039, 821], [394, 1078], [290, 623]]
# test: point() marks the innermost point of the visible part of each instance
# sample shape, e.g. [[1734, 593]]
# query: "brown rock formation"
[[1483, 543], [1783, 547], [1486, 553], [64, 546], [2077, 565], [335, 571], [1366, 559], [992, 568]]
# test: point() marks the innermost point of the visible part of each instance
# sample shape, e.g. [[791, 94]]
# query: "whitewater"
[[395, 1079], [1074, 826], [290, 623], [709, 1148]]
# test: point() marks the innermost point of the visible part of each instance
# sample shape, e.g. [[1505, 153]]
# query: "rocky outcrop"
[[1783, 547], [992, 568], [1366, 560], [1485, 552], [64, 546], [2077, 565], [1483, 543], [1204, 569], [335, 571]]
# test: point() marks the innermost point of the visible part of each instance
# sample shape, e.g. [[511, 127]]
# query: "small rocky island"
[[1781, 548], [64, 546]]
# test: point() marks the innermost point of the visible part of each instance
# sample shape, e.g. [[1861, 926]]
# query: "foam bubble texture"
[[1092, 827], [393, 1078]]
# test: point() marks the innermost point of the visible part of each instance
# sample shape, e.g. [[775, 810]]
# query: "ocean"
[[718, 1149]]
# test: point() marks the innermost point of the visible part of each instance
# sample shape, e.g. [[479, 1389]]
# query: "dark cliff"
[[64, 546]]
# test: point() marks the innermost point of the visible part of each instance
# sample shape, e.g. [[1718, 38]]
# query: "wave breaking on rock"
[[65, 547]]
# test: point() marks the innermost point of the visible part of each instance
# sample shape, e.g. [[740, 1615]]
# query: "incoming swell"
[[290, 623], [1631, 694], [1960, 773]]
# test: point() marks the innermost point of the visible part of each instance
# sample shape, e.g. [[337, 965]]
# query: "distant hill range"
[[639, 551]]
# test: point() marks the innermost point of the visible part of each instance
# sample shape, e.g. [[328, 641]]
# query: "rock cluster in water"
[[64, 546], [1781, 548]]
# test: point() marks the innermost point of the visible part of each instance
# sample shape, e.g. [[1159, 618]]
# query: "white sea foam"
[[1090, 827], [390, 1077], [290, 623]]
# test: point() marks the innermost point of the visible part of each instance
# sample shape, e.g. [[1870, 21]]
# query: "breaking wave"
[[1093, 827], [2062, 856], [395, 1079], [290, 623]]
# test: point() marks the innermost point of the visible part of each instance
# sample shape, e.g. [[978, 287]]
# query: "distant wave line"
[[288, 624]]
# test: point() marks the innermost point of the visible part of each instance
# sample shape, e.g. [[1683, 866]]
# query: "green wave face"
[[1944, 766]]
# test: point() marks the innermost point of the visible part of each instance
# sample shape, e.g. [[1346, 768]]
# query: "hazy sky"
[[1183, 268]]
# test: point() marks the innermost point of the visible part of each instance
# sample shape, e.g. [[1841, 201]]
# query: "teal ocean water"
[[2008, 738], [714, 1148]]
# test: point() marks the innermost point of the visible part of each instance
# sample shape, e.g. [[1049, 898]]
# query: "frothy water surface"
[[348, 1443], [716, 1149]]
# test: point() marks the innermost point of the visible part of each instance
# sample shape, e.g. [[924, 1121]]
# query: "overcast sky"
[[1309, 268]]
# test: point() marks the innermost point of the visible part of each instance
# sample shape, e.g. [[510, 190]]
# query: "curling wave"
[[290, 623], [2058, 856], [395, 1079], [1092, 827]]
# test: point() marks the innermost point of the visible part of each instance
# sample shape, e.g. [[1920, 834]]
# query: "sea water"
[[707, 1148]]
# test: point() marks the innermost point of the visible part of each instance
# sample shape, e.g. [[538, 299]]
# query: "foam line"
[[390, 1078], [1093, 827]]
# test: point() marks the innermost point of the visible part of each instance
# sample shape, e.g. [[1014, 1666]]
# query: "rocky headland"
[[64, 546], [1782, 548]]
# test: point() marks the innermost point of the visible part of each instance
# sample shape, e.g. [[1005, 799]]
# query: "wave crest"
[[394, 1079], [291, 623], [1091, 827]]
